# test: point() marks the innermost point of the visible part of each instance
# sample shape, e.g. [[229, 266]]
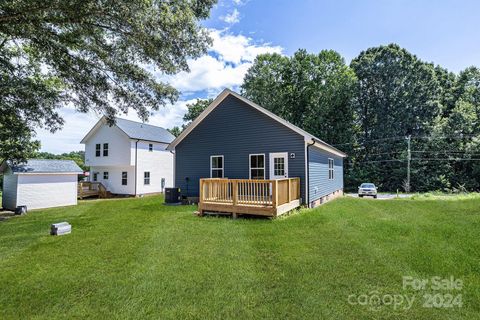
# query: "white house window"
[[105, 175], [146, 178], [330, 168], [124, 178], [95, 176], [257, 166], [97, 150], [216, 167], [105, 149], [150, 147]]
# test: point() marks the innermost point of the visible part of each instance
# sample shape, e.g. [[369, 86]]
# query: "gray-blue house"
[[237, 139]]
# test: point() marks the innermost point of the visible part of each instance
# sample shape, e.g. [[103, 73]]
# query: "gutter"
[[307, 192], [136, 166]]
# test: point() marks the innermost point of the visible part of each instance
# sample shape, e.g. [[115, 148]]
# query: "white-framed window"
[[105, 149], [216, 167], [257, 166], [150, 147], [98, 148], [105, 175], [146, 178], [95, 176], [330, 168], [124, 178]]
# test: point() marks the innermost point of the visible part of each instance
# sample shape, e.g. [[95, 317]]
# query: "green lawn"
[[136, 258]]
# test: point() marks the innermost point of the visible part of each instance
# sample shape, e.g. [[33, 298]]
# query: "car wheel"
[[375, 197], [361, 196]]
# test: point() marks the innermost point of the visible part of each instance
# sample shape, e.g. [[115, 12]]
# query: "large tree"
[[312, 91], [105, 56]]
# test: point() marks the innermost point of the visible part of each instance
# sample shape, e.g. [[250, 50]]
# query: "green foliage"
[[369, 108], [93, 55], [310, 91], [194, 110], [140, 259]]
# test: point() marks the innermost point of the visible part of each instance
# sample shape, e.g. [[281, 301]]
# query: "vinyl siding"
[[46, 190], [235, 130], [9, 194], [114, 181], [119, 148], [159, 163], [319, 183]]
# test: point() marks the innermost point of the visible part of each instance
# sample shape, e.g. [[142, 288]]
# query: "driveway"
[[383, 196]]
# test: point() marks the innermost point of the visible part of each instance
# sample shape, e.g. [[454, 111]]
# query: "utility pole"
[[409, 157]]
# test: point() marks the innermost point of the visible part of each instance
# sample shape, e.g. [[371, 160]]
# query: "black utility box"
[[172, 195]]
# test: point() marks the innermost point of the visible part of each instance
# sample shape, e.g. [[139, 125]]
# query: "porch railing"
[[249, 192]]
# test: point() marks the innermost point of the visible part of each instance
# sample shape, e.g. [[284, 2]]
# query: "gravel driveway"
[[383, 196]]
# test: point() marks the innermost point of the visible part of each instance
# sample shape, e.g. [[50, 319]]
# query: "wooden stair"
[[87, 189]]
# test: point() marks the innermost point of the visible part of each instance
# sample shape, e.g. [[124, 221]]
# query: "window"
[[124, 178], [97, 150], [105, 175], [279, 166], [216, 167], [150, 147], [146, 178], [95, 176], [330, 168], [257, 166], [105, 149]]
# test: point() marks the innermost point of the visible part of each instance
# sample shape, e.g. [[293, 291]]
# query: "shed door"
[[279, 165]]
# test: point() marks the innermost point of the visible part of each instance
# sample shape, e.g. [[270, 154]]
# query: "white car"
[[367, 189]]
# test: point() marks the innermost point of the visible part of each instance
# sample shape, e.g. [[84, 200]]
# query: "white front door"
[[279, 165]]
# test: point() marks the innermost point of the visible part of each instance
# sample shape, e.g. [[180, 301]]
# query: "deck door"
[[279, 165]]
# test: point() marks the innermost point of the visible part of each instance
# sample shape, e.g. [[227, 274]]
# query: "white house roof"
[[224, 94], [42, 166], [136, 130]]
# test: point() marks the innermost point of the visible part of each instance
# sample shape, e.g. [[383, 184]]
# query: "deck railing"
[[249, 192], [88, 189]]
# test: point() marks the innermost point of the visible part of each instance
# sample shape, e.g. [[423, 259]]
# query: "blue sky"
[[442, 32]]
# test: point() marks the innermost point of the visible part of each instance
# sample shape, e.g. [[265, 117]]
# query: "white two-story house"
[[129, 158]]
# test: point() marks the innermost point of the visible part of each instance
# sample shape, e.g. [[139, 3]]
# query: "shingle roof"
[[142, 131], [45, 166]]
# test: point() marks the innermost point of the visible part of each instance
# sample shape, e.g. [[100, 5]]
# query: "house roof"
[[227, 92], [136, 130], [42, 166]]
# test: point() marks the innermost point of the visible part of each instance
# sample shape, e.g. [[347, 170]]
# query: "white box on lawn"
[[60, 228]]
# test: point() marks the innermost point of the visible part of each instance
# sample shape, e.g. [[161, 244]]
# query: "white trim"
[[38, 173], [271, 164], [250, 163], [223, 164], [331, 169], [225, 93]]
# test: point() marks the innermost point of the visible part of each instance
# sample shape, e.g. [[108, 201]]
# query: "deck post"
[[274, 193], [289, 187], [200, 197]]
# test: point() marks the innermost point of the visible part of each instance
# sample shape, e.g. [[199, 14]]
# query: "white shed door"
[[279, 165]]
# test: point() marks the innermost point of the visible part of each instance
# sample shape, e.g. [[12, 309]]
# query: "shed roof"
[[136, 130], [42, 166]]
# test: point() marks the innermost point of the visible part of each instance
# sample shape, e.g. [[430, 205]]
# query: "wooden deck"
[[245, 196], [91, 189]]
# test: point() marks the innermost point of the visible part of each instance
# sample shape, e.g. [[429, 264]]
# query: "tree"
[[175, 131], [397, 95], [93, 55], [194, 110], [311, 91]]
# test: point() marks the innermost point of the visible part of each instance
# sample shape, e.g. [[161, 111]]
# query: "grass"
[[136, 258]]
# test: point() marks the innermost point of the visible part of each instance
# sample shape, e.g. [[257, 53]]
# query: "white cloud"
[[239, 2], [224, 67], [229, 59], [232, 18]]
